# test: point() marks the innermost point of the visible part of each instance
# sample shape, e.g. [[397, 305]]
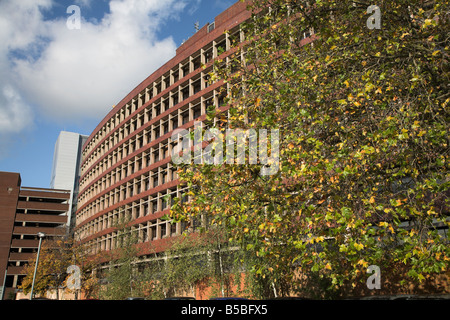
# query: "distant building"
[[66, 167], [23, 213]]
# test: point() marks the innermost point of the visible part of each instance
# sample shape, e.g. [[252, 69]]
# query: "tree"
[[186, 264], [50, 271], [364, 123], [123, 277], [195, 261], [55, 258]]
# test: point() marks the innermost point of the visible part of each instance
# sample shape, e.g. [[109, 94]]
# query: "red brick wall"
[[9, 195]]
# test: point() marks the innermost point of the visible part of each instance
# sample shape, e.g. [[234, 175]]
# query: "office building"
[[126, 171], [66, 167]]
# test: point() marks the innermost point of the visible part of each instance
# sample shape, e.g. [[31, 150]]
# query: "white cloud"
[[20, 21], [14, 113], [76, 74]]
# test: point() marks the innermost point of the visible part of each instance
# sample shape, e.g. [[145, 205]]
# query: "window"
[[197, 63], [158, 88], [185, 69], [197, 112], [208, 55], [173, 228], [185, 92], [185, 116], [197, 86], [211, 27], [163, 230], [175, 76], [175, 99], [175, 123], [153, 232]]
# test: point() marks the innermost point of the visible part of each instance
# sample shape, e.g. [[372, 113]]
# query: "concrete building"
[[23, 213], [126, 169], [66, 167]]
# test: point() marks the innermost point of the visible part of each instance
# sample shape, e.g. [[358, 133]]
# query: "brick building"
[[126, 171], [23, 213]]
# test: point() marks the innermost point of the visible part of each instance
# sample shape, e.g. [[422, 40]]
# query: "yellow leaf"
[[363, 263], [372, 200], [421, 133], [320, 239]]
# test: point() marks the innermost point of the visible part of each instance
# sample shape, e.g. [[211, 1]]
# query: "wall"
[[9, 195]]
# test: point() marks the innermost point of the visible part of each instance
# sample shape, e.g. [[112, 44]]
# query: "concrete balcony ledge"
[[21, 217], [47, 206], [35, 230]]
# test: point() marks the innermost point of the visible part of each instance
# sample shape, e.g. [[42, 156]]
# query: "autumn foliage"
[[364, 152]]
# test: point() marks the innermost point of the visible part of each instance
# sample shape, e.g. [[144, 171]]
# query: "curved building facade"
[[126, 171]]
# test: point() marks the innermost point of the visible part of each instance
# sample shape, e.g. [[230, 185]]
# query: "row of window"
[[107, 170], [129, 144], [144, 232], [177, 94], [158, 128], [142, 207], [145, 182]]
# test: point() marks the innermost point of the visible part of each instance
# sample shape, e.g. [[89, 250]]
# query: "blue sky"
[[54, 79]]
